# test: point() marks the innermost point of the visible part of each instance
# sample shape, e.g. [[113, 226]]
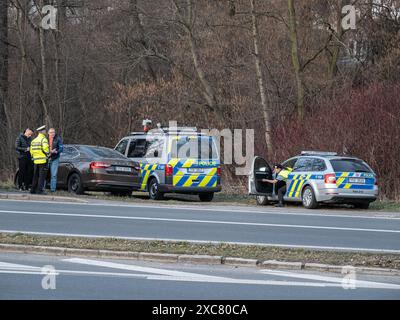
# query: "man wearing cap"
[[39, 152]]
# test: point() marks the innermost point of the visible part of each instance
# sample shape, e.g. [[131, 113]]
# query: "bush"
[[363, 122]]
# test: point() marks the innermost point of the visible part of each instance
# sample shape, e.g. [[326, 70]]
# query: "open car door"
[[260, 170]]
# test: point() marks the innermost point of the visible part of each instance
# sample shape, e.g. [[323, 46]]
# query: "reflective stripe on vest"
[[284, 173]]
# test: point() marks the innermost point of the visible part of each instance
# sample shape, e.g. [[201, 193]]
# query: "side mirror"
[[155, 153]]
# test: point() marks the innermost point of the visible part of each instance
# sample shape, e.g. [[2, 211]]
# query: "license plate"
[[356, 180], [123, 169], [195, 170]]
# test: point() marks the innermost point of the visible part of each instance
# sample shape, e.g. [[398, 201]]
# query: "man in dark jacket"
[[56, 147], [25, 165]]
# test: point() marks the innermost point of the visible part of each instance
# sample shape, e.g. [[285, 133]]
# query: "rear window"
[[100, 152], [194, 148], [349, 165]]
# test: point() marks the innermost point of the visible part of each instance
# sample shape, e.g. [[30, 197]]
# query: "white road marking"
[[276, 225], [357, 283], [377, 250], [173, 275], [135, 268], [274, 211], [14, 266]]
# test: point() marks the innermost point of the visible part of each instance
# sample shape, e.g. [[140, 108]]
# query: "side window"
[[69, 153], [304, 164], [137, 148], [318, 165], [121, 148], [289, 163], [155, 149]]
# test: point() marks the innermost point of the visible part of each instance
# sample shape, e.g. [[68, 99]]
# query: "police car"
[[317, 177], [174, 160]]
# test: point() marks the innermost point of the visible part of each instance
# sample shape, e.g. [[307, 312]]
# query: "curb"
[[240, 262], [40, 198], [195, 259]]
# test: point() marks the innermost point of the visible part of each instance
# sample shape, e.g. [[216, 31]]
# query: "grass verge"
[[226, 250]]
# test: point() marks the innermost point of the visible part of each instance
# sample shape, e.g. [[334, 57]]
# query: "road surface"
[[22, 277], [286, 227]]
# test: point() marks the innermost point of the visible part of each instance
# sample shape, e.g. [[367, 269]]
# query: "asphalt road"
[[22, 277], [287, 227]]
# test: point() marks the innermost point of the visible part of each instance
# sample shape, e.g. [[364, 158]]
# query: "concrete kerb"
[[37, 197], [196, 259]]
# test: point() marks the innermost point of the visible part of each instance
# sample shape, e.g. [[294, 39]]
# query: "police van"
[[175, 160], [317, 177]]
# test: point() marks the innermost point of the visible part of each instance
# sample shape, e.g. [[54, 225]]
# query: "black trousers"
[[281, 190], [39, 178], [25, 167]]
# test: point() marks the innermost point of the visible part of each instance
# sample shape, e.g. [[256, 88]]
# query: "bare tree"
[[187, 20], [298, 71], [260, 80]]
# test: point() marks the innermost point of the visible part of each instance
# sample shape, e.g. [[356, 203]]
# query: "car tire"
[[308, 198], [154, 191], [121, 193], [361, 205], [75, 184], [206, 197], [262, 200]]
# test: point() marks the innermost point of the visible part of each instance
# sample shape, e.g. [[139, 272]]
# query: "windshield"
[[100, 152], [193, 147], [349, 165]]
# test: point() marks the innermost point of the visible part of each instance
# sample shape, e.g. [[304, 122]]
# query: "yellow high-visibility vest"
[[284, 173], [39, 149]]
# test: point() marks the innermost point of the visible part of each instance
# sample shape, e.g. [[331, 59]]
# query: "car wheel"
[[308, 198], [364, 205], [75, 184], [154, 191], [121, 193], [206, 197], [262, 200]]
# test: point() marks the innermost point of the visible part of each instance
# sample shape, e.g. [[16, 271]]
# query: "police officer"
[[39, 152], [281, 177]]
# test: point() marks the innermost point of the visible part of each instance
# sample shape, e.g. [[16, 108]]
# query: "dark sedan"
[[96, 168]]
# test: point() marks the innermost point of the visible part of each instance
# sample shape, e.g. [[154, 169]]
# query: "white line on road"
[[172, 275], [357, 283], [276, 225], [129, 267], [374, 250], [275, 211]]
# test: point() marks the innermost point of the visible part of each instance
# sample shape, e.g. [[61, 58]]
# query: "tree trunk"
[[296, 58], [3, 62], [45, 91], [332, 71], [260, 80], [207, 90], [138, 24], [5, 120]]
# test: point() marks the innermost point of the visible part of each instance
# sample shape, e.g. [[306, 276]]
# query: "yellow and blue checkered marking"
[[342, 180], [298, 180], [182, 179], [146, 170]]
